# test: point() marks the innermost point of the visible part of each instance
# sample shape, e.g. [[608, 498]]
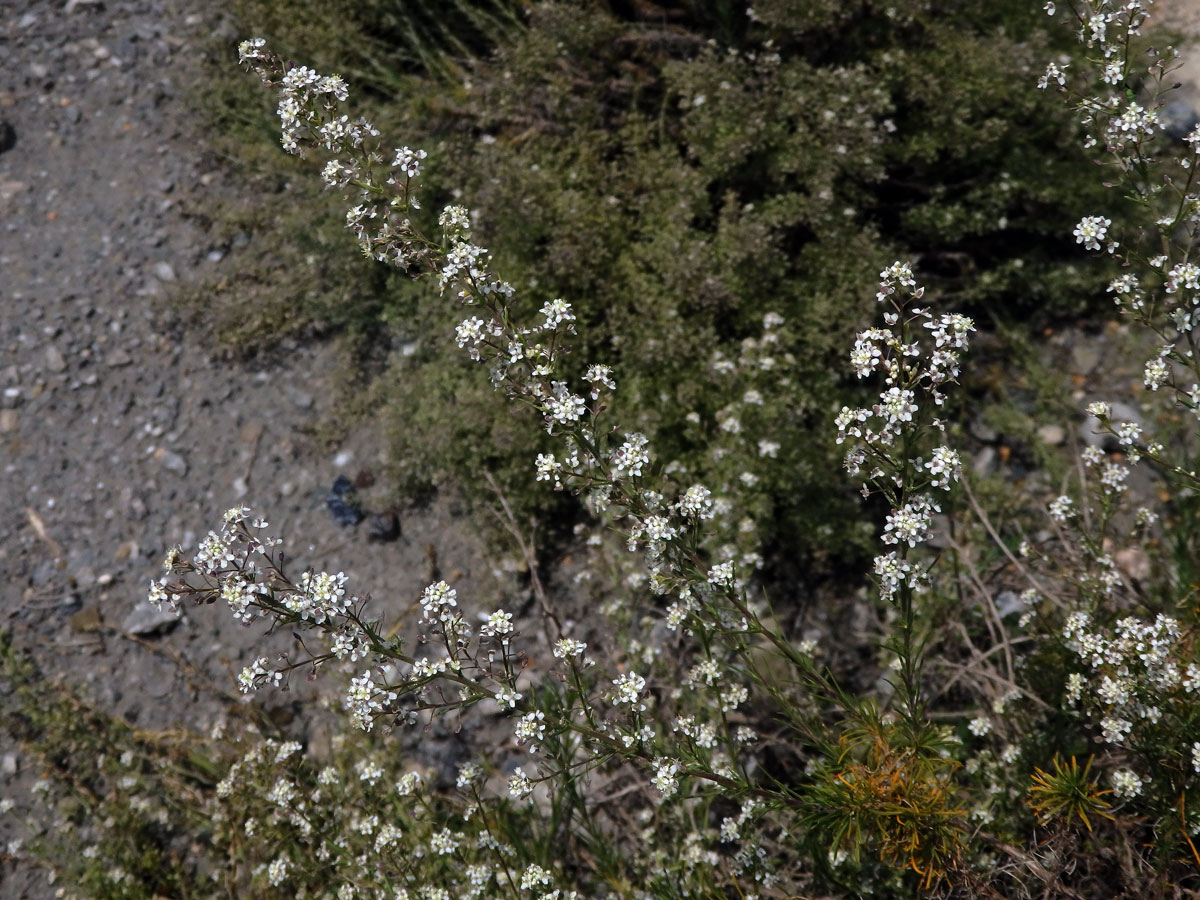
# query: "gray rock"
[[981, 431], [144, 619], [984, 462], [1084, 358], [163, 271], [1052, 434], [171, 461], [300, 399], [54, 359]]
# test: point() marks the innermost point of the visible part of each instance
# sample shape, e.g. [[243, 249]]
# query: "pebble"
[[300, 399], [54, 359], [383, 527], [984, 462], [171, 461], [8, 420], [1084, 358], [87, 619], [342, 503], [163, 271], [1052, 435], [144, 619]]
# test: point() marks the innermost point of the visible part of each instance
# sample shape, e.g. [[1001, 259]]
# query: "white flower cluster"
[[1136, 676], [1091, 230], [364, 699]]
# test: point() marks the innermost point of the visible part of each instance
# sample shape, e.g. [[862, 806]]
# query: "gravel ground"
[[121, 436]]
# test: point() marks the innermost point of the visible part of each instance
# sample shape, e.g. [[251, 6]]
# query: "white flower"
[[534, 877], [498, 623], [531, 729], [565, 648], [629, 687], [455, 218], [945, 466], [980, 726], [556, 312], [631, 456], [1156, 373], [896, 405], [519, 784], [1126, 784], [507, 699], [444, 842], [665, 772], [1091, 230], [696, 503], [408, 161], [437, 600]]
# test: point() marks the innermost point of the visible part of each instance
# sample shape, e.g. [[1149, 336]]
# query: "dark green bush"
[[677, 178]]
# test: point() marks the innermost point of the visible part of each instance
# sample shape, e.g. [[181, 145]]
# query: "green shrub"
[[678, 183]]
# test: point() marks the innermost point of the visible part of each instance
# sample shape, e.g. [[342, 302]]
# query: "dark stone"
[[1179, 118], [342, 503], [383, 527], [8, 136]]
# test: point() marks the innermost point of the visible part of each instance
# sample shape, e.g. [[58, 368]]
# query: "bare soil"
[[120, 435]]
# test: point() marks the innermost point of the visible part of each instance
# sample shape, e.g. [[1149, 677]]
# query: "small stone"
[[240, 488], [1134, 563], [10, 189], [1009, 603], [118, 358], [146, 620], [1052, 435], [984, 462], [69, 603], [342, 503], [8, 764], [126, 550], [105, 579], [981, 431], [54, 359], [251, 432], [171, 461], [8, 420], [300, 399], [87, 619], [163, 271], [383, 527], [1084, 358]]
